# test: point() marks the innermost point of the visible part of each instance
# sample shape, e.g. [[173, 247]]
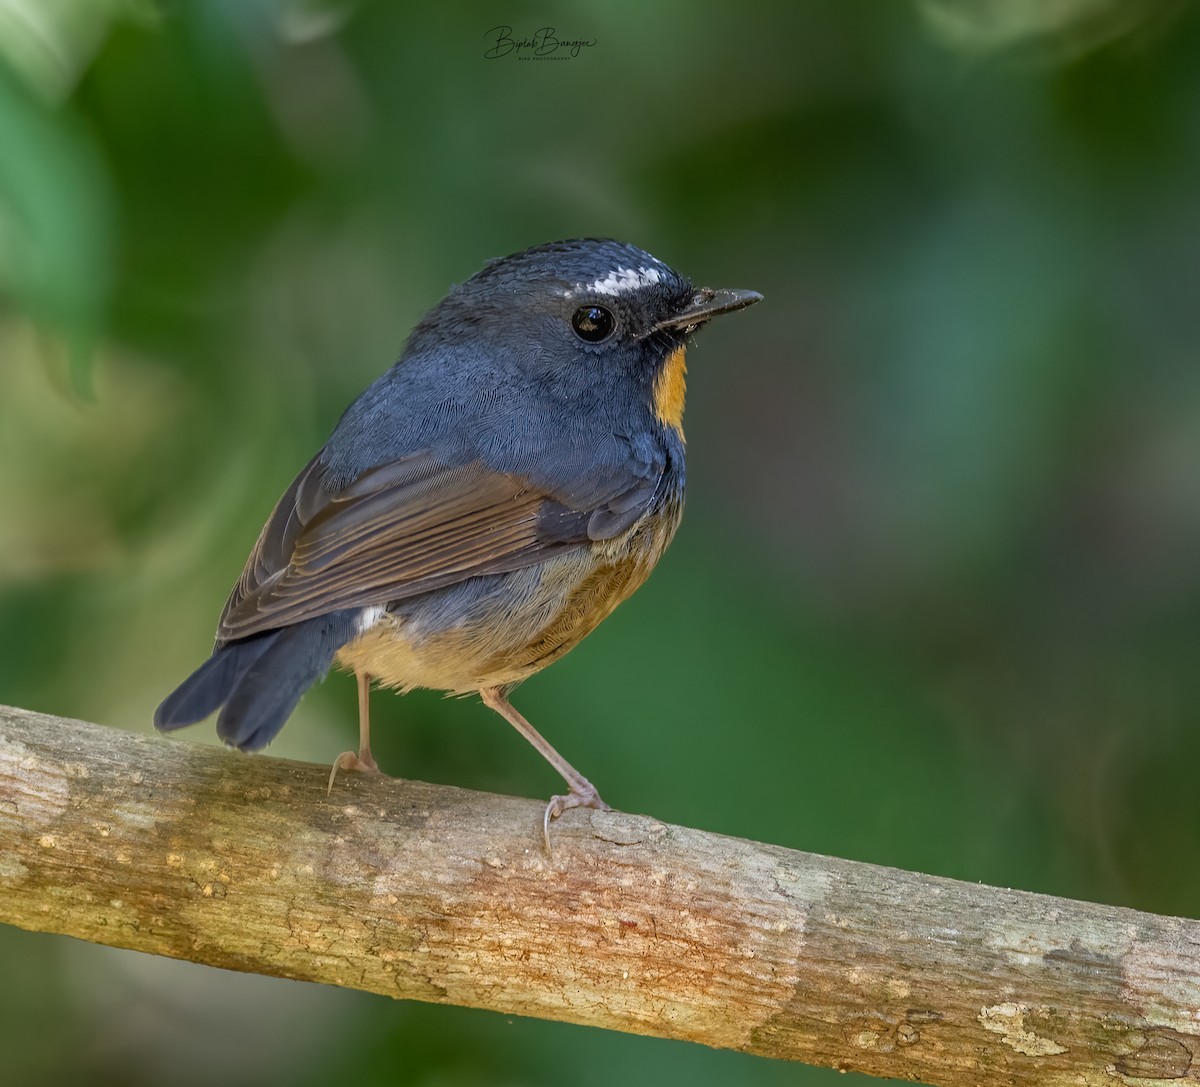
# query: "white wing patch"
[[620, 281], [369, 616]]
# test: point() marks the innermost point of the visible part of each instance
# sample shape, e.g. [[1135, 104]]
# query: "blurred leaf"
[[1067, 28], [51, 42], [55, 220]]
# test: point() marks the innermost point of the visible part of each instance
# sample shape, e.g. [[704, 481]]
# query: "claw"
[[586, 797], [348, 760]]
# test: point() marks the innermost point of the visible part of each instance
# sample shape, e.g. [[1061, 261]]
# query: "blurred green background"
[[935, 601]]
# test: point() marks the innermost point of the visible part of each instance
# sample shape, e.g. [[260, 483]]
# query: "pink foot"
[[582, 796], [349, 760]]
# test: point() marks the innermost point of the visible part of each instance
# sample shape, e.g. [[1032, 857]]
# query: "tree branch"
[[439, 894]]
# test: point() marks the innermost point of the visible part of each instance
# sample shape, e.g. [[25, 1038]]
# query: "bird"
[[480, 508]]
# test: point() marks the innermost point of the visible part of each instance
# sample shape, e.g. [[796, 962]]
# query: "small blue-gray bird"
[[480, 508]]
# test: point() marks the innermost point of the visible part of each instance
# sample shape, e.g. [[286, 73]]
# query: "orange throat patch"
[[670, 388]]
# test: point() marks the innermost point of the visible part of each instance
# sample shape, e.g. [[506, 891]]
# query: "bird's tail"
[[256, 682]]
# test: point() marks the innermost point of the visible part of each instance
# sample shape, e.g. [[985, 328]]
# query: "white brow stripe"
[[620, 281]]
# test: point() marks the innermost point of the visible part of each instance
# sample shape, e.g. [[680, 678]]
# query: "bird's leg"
[[582, 793], [348, 760]]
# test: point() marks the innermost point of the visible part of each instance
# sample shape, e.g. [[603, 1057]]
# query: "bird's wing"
[[407, 527]]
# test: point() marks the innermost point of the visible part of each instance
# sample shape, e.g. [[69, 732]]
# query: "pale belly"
[[498, 630]]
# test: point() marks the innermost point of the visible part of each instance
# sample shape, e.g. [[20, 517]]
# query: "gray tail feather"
[[207, 688], [257, 681]]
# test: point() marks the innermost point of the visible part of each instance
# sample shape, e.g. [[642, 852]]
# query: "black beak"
[[707, 304]]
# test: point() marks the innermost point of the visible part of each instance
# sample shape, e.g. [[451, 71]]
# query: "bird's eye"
[[593, 323]]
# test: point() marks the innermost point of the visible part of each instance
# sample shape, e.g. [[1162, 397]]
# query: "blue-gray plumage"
[[481, 507]]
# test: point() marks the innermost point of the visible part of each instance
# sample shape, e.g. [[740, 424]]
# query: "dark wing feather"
[[406, 527]]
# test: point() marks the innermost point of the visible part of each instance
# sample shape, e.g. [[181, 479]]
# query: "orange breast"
[[670, 388]]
